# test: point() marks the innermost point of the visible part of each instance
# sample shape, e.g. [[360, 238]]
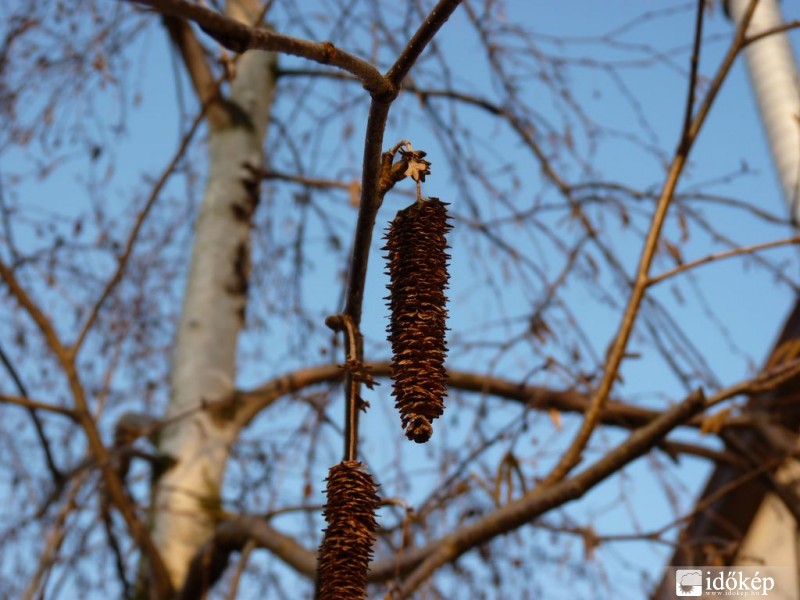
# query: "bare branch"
[[717, 256], [616, 353], [205, 84], [239, 37], [55, 472], [123, 259], [37, 405], [423, 36]]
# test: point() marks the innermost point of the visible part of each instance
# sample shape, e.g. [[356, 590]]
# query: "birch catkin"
[[417, 257], [347, 544]]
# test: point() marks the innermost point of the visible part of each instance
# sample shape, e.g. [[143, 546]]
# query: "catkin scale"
[[417, 259], [347, 544]]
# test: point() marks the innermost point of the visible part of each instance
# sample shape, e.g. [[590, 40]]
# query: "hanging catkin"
[[417, 265], [347, 544]]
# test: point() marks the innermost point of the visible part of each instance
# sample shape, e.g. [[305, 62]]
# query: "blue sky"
[[732, 311]]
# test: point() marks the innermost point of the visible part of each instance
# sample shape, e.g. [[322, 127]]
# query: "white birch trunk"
[[204, 366]]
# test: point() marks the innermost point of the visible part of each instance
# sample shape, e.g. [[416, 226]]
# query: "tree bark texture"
[[213, 314]]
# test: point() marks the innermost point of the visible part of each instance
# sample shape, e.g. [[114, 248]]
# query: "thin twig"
[[239, 37], [53, 540], [717, 256], [617, 351], [352, 406], [695, 61], [123, 259], [55, 472], [38, 405], [237, 576], [784, 27]]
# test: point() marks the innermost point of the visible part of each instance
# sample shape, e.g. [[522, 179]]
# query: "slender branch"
[[695, 61], [205, 84], [784, 27], [310, 182], [53, 541], [233, 591], [617, 352], [239, 37], [541, 499], [368, 211], [720, 256], [423, 36], [123, 259], [98, 450], [249, 403], [353, 375], [37, 405], [55, 472], [522, 511]]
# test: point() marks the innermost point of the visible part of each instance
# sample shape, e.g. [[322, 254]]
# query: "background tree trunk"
[[187, 496]]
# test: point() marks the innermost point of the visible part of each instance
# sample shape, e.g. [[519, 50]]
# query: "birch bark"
[[204, 368]]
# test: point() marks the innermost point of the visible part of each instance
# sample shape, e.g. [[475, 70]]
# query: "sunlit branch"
[[617, 351], [239, 37], [718, 256]]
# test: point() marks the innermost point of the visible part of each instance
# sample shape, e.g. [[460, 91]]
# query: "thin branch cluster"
[[417, 265], [347, 545]]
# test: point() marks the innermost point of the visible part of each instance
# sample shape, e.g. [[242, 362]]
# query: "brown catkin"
[[347, 544], [417, 258]]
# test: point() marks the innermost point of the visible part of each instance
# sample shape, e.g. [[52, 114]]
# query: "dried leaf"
[[416, 165]]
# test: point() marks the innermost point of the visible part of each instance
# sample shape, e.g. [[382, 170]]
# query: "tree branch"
[[116, 491], [239, 37], [248, 403], [519, 512], [232, 535], [205, 84], [37, 405], [423, 36], [618, 347], [210, 562], [55, 472], [722, 255]]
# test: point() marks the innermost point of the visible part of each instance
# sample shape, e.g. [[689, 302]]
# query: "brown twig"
[[353, 345], [784, 27], [205, 84], [720, 256], [239, 37], [55, 472], [617, 351], [248, 403], [122, 260], [116, 491], [53, 541], [38, 405]]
